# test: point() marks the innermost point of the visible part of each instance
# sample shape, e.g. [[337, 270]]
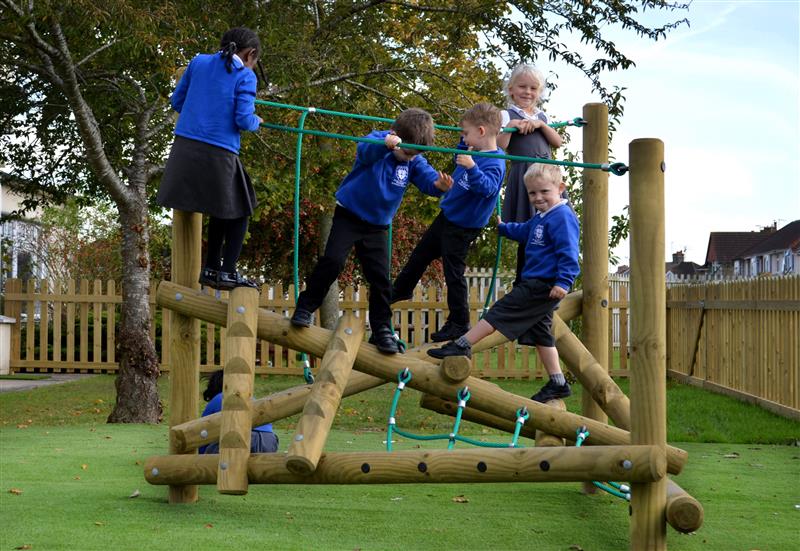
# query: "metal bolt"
[[204, 433], [298, 438], [604, 303], [240, 309], [178, 296], [348, 331], [154, 471], [627, 465], [663, 166], [223, 466]]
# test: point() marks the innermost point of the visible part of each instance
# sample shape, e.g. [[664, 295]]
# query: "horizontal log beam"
[[633, 463]]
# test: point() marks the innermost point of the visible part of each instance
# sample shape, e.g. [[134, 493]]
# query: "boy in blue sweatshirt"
[[465, 210], [551, 265], [366, 202]]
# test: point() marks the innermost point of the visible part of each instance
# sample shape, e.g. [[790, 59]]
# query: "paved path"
[[10, 385]]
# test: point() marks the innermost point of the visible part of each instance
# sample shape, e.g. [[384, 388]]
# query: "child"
[[262, 439], [215, 99], [533, 138], [366, 201], [551, 265], [465, 210]]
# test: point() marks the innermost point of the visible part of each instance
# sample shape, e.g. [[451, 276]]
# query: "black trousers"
[[372, 251], [450, 242]]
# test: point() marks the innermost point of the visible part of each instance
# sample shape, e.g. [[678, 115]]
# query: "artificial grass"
[[65, 478], [24, 377]]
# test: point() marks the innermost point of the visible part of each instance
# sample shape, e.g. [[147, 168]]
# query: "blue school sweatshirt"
[[215, 406], [551, 245], [471, 200], [214, 105], [375, 185]]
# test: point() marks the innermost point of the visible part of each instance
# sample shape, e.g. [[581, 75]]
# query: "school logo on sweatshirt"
[[463, 181], [538, 235], [400, 176]]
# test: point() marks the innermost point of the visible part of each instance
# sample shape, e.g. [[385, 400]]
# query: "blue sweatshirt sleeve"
[[424, 176], [518, 231], [370, 153], [565, 242], [179, 95], [246, 118], [486, 183]]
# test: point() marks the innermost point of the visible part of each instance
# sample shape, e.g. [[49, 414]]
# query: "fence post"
[[13, 309]]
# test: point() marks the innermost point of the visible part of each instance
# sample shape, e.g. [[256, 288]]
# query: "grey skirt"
[[201, 177]]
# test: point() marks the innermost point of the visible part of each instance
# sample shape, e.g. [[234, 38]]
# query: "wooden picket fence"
[[740, 338]]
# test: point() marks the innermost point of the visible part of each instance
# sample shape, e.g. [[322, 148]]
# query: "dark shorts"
[[260, 442], [525, 314]]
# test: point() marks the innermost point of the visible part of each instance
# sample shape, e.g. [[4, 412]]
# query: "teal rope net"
[[622, 491], [463, 396]]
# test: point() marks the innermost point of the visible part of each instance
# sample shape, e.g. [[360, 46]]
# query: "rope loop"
[[463, 394]]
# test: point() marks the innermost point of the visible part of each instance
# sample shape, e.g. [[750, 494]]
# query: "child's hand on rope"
[[445, 181], [465, 160]]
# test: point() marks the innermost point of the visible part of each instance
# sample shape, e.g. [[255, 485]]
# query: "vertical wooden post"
[[595, 251], [648, 334], [13, 309], [184, 343], [237, 391], [326, 395]]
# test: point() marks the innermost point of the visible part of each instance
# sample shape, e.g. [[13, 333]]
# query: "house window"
[[788, 261], [767, 268]]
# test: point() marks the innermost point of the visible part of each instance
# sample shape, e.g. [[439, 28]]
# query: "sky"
[[724, 96]]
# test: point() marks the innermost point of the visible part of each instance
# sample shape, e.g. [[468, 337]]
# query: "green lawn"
[[67, 476]]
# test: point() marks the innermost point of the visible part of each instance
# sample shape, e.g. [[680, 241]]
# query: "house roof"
[[683, 268], [725, 246], [788, 237]]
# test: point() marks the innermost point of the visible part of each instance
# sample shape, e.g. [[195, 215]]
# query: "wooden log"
[[184, 342], [640, 463], [648, 334], [456, 368], [684, 513], [591, 374], [237, 391], [486, 396], [595, 251], [326, 395], [545, 440], [199, 432]]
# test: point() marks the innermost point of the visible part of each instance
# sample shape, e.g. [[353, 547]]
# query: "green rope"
[[614, 488], [307, 375], [615, 168], [577, 121]]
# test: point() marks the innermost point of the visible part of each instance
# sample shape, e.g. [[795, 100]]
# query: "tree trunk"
[[329, 310], [137, 392]]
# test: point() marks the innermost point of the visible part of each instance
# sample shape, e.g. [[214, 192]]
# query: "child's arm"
[[565, 237], [428, 181], [518, 231], [370, 153], [486, 179], [550, 134], [245, 106]]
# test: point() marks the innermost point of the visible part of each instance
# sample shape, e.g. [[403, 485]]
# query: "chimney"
[[677, 257]]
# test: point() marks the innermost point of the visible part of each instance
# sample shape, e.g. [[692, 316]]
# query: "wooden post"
[[237, 391], [648, 334], [13, 309], [595, 250], [184, 374], [486, 396], [635, 463], [326, 395]]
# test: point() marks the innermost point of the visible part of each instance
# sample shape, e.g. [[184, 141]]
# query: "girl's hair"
[[236, 40], [414, 126], [518, 71], [550, 173], [214, 386]]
